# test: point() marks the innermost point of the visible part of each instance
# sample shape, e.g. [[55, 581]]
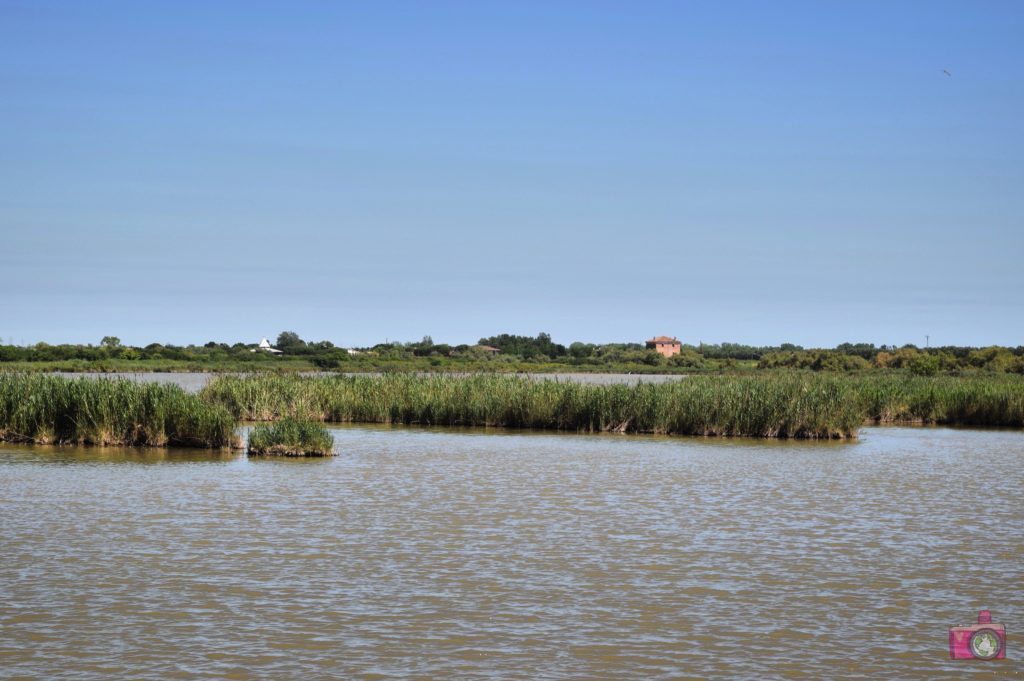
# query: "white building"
[[266, 347]]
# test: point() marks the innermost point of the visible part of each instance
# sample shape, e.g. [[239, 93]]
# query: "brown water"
[[477, 555]]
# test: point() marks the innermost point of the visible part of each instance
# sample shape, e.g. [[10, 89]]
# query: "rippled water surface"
[[463, 555]]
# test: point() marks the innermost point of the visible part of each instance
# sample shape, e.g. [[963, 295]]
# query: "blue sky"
[[604, 171]]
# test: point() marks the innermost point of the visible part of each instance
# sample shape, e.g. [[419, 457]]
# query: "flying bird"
[[947, 73]]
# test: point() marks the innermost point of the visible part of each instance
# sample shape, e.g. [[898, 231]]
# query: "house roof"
[[663, 339]]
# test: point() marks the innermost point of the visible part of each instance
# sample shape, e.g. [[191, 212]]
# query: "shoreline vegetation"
[[713, 406], [505, 353], [43, 409], [772, 405], [782, 404]]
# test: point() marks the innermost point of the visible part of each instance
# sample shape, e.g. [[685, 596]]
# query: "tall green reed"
[[291, 437], [52, 409], [793, 405]]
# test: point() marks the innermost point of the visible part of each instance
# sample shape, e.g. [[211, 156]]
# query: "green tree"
[[424, 348], [111, 342], [289, 340], [580, 350]]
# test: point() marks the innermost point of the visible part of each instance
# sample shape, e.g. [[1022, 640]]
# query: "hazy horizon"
[[741, 172]]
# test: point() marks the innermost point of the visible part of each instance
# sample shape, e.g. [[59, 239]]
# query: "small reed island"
[[290, 437]]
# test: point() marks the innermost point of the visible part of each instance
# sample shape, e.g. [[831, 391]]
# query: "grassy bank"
[[981, 400], [290, 437], [54, 410], [800, 406]]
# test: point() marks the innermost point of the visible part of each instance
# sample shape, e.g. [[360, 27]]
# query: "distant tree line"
[[44, 352], [525, 347], [922, 361], [508, 351]]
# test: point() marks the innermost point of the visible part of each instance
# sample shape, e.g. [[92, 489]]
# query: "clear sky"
[[755, 172]]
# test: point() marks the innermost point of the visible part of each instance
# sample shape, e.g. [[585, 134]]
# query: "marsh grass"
[[291, 437], [44, 409], [52, 409], [982, 400], [785, 406]]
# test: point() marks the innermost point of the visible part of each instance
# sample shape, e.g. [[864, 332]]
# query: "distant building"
[[488, 349], [265, 346], [665, 346]]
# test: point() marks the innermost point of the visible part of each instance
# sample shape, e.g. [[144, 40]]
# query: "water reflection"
[[59, 454]]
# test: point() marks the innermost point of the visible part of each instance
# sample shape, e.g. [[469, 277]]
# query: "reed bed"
[[44, 409], [783, 406], [291, 437], [984, 400], [51, 409]]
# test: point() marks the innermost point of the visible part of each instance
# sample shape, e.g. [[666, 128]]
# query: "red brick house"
[[665, 346]]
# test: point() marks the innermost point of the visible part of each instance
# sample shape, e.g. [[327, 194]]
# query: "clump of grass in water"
[[291, 437], [44, 409]]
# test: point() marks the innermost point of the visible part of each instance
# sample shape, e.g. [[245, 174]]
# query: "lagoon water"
[[441, 554]]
